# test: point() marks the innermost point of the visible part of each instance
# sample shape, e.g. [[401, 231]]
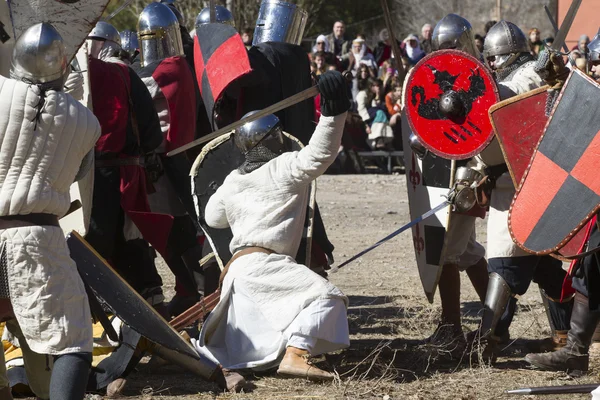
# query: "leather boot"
[[574, 356], [114, 390], [295, 364], [449, 288]]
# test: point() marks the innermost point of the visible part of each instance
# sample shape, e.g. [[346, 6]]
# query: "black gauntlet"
[[334, 94]]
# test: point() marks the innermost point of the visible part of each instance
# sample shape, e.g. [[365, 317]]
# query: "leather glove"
[[551, 68], [334, 94]]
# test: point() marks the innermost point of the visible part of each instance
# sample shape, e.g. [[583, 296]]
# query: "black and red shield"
[[519, 124], [560, 190], [220, 57], [447, 98]]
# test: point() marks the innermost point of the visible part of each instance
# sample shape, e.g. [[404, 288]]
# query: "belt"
[[17, 221], [238, 254], [118, 162]]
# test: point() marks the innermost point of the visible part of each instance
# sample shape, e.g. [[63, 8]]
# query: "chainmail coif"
[[506, 73], [256, 158]]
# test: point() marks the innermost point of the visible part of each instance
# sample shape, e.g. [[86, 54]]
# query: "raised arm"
[[313, 160]]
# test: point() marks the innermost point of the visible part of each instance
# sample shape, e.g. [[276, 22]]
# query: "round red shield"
[[447, 98]]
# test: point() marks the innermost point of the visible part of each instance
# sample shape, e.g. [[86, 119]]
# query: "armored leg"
[[574, 355], [496, 302], [559, 315]]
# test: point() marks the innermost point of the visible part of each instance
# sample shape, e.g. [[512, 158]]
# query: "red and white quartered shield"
[[447, 98]]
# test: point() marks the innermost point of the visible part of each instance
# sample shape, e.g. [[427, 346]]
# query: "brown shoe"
[[115, 388], [296, 364], [233, 381]]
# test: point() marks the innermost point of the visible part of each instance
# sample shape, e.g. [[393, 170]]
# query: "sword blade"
[[559, 40], [290, 101], [555, 27], [392, 235], [117, 10], [565, 389]]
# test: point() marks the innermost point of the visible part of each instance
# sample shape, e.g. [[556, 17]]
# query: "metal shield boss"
[[73, 19], [560, 190], [447, 98], [217, 160]]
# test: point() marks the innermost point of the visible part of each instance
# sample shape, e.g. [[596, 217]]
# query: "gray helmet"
[[265, 130], [105, 31], [454, 32], [594, 48], [279, 21], [159, 34], [173, 7], [39, 56], [505, 40], [130, 43], [222, 16]]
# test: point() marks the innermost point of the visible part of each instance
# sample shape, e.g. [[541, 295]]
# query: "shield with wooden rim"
[[519, 124], [560, 190], [73, 19], [447, 98], [217, 160], [428, 181]]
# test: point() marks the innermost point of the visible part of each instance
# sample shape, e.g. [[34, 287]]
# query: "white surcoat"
[[43, 139]]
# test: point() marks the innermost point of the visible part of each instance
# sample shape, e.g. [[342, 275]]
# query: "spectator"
[[313, 68], [383, 51], [578, 59], [359, 57], [582, 44], [371, 108], [320, 63], [479, 43], [386, 74], [426, 32], [535, 42], [393, 102], [338, 44], [413, 49], [247, 36], [322, 45]]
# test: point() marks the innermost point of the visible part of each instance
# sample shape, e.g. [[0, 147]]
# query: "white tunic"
[[500, 243], [269, 301], [40, 155]]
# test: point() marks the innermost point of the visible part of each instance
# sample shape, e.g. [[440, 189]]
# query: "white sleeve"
[[361, 105], [313, 160], [215, 214]]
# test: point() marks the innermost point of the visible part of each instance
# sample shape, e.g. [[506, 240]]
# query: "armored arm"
[[321, 151]]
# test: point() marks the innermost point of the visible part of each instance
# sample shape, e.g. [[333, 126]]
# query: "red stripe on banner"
[[198, 62], [227, 63], [586, 169], [543, 181]]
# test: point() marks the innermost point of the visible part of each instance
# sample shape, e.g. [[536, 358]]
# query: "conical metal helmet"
[[39, 55], [454, 32], [159, 34], [505, 38], [105, 31], [222, 16]]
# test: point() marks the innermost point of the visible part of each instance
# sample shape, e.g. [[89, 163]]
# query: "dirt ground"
[[389, 318]]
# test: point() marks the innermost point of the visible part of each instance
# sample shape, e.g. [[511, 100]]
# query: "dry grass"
[[389, 319]]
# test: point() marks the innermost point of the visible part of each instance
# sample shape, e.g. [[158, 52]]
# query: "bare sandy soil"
[[389, 319]]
